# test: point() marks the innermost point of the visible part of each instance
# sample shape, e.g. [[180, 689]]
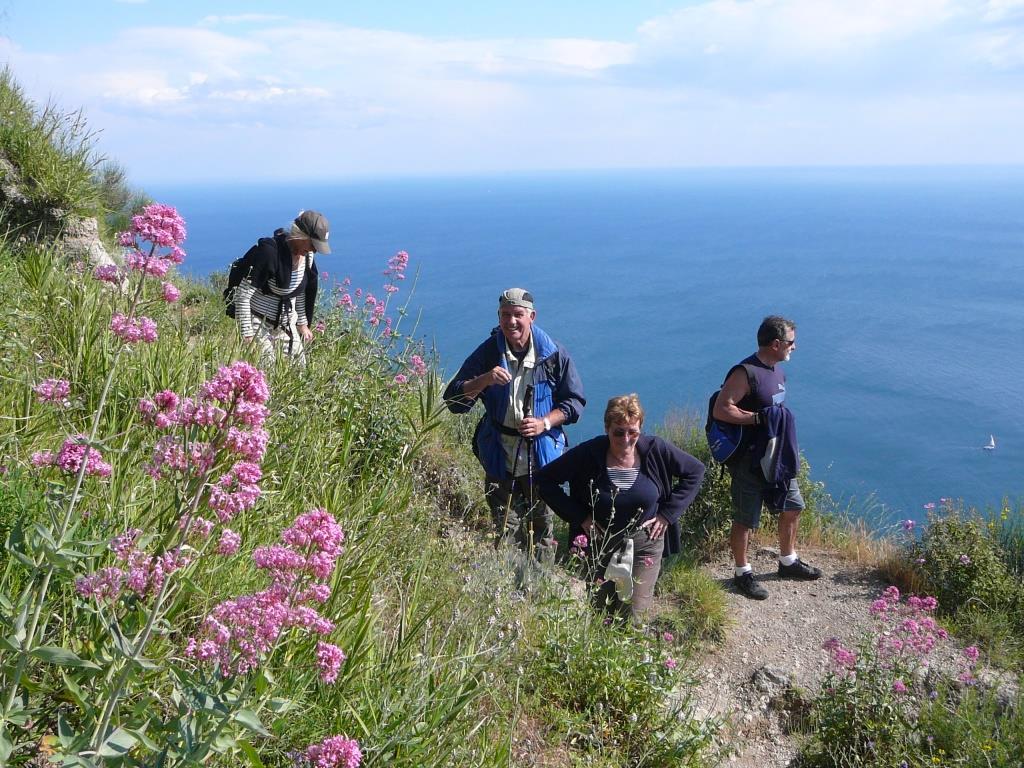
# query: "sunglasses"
[[620, 432], [787, 342]]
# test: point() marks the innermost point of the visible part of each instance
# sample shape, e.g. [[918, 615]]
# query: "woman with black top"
[[624, 485]]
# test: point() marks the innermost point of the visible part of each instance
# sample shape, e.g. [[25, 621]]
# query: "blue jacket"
[[556, 385], [776, 454], [676, 474]]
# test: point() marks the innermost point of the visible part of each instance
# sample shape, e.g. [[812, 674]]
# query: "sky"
[[182, 90]]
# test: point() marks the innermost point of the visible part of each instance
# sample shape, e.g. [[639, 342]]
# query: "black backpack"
[[725, 439], [240, 270]]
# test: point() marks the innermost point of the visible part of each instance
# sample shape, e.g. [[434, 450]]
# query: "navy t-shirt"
[[771, 386]]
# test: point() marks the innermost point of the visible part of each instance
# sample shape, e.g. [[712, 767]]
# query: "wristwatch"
[[547, 424]]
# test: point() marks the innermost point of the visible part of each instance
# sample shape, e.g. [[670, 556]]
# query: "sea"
[[906, 285]]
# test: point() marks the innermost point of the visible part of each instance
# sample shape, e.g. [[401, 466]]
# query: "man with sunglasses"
[[530, 388], [754, 395]]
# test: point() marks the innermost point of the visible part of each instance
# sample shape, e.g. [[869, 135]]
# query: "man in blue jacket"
[[530, 389], [754, 394]]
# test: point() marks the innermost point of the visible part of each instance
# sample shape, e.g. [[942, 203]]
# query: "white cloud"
[[793, 28], [241, 18], [720, 82], [1000, 10]]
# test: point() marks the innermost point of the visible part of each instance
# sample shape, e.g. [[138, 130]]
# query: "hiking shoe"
[[799, 570], [747, 586]]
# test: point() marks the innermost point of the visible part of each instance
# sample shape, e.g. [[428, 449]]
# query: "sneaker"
[[799, 570], [747, 586]]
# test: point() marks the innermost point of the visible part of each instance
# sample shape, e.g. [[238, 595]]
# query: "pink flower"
[[419, 368], [107, 273], [581, 541], [898, 686], [908, 525], [104, 584], [670, 663], [334, 752], [171, 293], [53, 391], [131, 330], [229, 542], [401, 378], [668, 637], [971, 653], [159, 224], [930, 505], [69, 458], [329, 659], [965, 560]]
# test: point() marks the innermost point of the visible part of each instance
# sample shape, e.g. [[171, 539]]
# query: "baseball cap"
[[314, 225], [516, 297]]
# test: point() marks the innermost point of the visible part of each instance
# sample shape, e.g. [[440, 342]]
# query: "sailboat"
[[991, 446]]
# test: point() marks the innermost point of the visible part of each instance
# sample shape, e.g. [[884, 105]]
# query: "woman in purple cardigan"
[[624, 484]]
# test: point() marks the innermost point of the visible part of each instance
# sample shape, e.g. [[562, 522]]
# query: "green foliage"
[[705, 526], [610, 692], [963, 562], [697, 610], [52, 154]]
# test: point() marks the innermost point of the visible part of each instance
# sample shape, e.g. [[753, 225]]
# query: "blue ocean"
[[905, 284]]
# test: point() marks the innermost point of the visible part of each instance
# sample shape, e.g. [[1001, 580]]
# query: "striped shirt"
[[249, 302], [622, 478]]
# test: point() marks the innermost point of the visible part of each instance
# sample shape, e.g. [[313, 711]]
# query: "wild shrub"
[[52, 156], [868, 712], [963, 561]]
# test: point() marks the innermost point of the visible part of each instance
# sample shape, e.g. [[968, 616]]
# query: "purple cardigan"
[[677, 475]]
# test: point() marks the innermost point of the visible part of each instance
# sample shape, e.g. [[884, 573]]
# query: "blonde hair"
[[622, 409]]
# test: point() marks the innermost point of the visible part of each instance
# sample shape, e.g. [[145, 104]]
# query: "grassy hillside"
[[210, 564]]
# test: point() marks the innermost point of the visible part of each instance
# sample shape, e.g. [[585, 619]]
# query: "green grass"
[[693, 605]]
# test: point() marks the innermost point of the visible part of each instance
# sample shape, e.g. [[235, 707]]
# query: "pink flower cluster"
[[169, 456], [162, 227], [158, 224], [54, 391], [908, 631], [417, 366], [239, 633], [397, 265], [231, 403], [333, 752], [329, 659], [236, 491], [142, 574], [579, 544], [843, 659], [133, 329], [229, 542], [69, 458], [147, 264], [107, 273]]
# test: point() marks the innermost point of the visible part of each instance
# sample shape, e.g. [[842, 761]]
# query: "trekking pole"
[[528, 413]]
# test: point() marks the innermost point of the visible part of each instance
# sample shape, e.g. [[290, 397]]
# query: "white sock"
[[741, 569], [789, 559]]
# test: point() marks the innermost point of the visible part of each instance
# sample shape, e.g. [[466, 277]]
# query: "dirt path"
[[776, 643]]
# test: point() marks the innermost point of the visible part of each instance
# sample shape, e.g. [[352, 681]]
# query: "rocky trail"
[[771, 662]]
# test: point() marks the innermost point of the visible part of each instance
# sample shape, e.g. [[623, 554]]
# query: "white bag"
[[620, 570]]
